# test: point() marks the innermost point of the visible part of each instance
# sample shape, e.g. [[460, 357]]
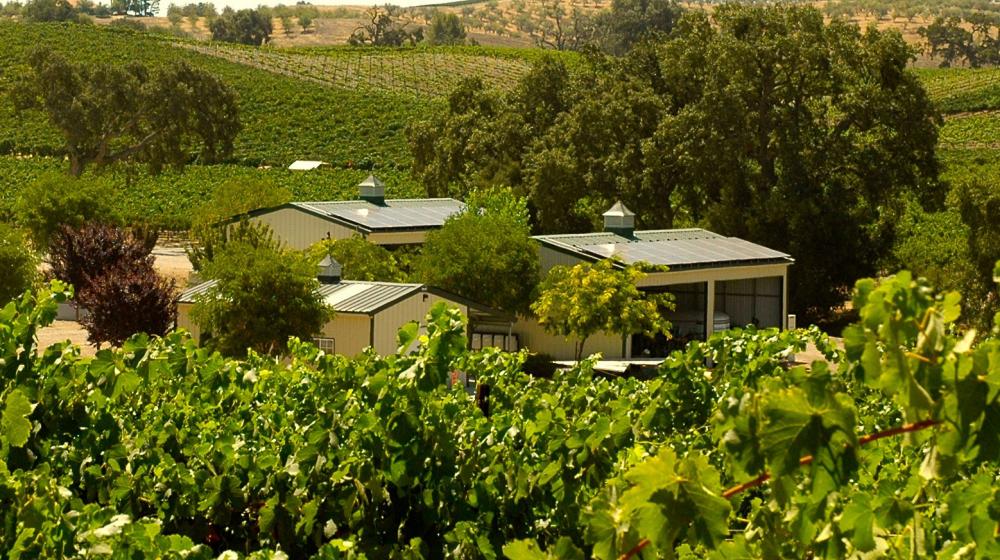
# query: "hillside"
[[349, 107]]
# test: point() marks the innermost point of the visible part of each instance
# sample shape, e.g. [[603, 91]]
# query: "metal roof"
[[677, 248], [347, 296], [394, 214], [351, 296]]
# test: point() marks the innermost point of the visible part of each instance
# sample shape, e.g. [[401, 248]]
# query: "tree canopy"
[[761, 122], [585, 299], [263, 296], [111, 114], [54, 201], [248, 27], [18, 264], [445, 29], [485, 254], [359, 259]]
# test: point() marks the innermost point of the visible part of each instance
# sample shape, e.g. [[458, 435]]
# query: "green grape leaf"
[[668, 498], [858, 519], [795, 427], [524, 550], [951, 307], [15, 423]]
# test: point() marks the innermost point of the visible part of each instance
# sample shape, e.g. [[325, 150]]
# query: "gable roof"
[[346, 296], [401, 214], [676, 248], [364, 297]]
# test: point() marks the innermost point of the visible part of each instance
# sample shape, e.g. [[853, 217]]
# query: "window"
[[327, 345]]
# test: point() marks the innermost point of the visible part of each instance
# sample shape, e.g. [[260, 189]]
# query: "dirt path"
[[61, 331]]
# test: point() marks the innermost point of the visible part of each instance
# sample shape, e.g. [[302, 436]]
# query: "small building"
[[371, 313], [718, 282], [381, 221]]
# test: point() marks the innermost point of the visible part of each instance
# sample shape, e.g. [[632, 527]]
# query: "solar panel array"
[[580, 240], [395, 214], [687, 252]]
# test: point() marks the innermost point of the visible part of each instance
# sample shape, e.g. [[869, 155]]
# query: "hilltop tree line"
[[972, 40], [63, 10], [734, 122]]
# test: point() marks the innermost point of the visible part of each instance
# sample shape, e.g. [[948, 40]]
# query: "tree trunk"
[[76, 165]]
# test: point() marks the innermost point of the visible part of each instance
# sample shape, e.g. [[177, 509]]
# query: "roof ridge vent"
[[372, 190], [620, 220]]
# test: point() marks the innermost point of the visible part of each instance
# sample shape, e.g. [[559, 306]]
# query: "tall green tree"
[[445, 29], [586, 299], [762, 122], [485, 254], [263, 296], [803, 136], [629, 22], [110, 114]]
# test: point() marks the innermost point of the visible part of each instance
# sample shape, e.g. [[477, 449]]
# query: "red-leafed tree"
[[128, 298], [112, 271], [77, 255]]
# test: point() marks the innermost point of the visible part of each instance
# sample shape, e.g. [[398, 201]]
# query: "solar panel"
[[684, 252], [395, 214]]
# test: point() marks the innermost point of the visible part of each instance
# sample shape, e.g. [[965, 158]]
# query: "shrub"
[[18, 264], [56, 200]]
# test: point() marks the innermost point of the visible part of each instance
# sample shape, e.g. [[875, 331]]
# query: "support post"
[[709, 308], [784, 300]]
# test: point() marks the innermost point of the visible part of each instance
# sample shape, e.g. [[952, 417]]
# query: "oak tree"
[[262, 296], [110, 114]]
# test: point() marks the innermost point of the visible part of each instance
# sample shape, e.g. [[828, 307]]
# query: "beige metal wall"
[[549, 258], [184, 320], [414, 308], [397, 238], [533, 337], [350, 333], [300, 230]]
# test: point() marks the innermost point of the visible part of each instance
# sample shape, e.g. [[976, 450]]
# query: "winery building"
[[718, 282], [381, 221], [371, 313]]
